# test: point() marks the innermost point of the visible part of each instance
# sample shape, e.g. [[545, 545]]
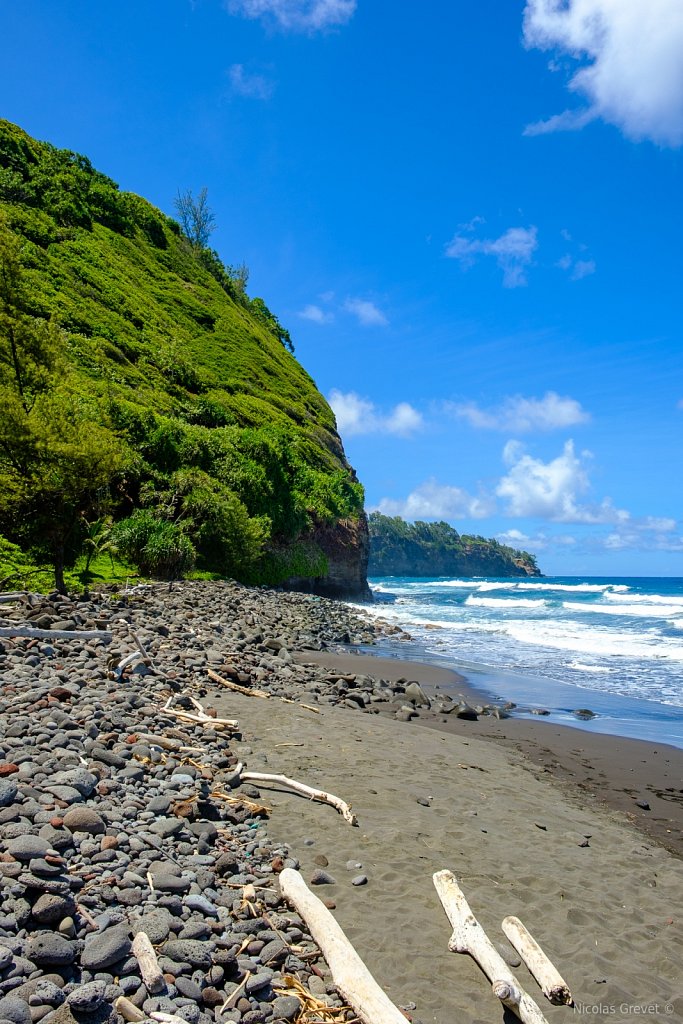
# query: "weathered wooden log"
[[236, 687], [129, 1011], [167, 1018], [550, 981], [150, 972], [469, 937], [56, 634], [299, 787], [349, 973]]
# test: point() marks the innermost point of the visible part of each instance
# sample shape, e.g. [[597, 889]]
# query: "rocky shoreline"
[[116, 817]]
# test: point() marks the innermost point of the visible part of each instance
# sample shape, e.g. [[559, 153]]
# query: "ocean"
[[612, 645]]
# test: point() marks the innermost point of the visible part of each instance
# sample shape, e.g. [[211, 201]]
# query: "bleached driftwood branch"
[[56, 634], [299, 787], [551, 982], [150, 972], [349, 973], [229, 685], [248, 692], [201, 718], [469, 937]]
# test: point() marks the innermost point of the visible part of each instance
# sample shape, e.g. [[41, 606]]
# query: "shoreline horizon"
[[564, 643]]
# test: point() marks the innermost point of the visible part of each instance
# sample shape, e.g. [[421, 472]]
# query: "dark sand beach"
[[477, 798], [600, 770]]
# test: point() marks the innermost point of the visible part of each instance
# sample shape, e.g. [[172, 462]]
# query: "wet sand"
[[600, 897], [599, 770]]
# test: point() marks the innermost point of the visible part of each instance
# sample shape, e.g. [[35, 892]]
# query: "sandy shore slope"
[[609, 912]]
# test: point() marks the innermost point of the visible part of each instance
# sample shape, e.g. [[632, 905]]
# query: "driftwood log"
[[469, 937], [150, 972], [56, 634], [229, 685], [249, 692], [349, 973], [201, 718], [299, 787], [550, 981]]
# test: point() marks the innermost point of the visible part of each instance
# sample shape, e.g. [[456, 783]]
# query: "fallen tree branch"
[[247, 692], [201, 718], [235, 994], [56, 634], [299, 787], [349, 973], [469, 937], [236, 687], [550, 981]]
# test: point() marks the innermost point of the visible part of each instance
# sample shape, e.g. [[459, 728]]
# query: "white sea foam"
[[575, 588], [595, 669], [600, 641], [676, 623], [646, 599], [641, 611], [505, 602], [454, 584], [483, 587]]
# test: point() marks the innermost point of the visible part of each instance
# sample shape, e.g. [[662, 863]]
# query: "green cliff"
[[398, 548], [147, 398]]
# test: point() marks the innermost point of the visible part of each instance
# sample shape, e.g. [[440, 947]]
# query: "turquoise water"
[[614, 645]]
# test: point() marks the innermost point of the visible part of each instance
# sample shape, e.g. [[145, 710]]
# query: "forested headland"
[[399, 548]]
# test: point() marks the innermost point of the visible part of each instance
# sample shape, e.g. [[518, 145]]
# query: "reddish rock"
[[212, 997], [109, 843], [7, 768], [61, 693], [57, 822]]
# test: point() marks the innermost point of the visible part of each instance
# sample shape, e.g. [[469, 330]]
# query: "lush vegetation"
[[398, 548], [146, 401]]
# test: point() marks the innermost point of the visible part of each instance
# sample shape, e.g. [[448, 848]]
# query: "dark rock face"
[[346, 546]]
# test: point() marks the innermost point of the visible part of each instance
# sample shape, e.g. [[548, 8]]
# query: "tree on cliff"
[[56, 460], [196, 216]]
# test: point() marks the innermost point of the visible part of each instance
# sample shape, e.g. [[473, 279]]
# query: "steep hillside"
[[133, 358], [398, 548]]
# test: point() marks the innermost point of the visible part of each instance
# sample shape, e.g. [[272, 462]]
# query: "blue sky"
[[468, 216]]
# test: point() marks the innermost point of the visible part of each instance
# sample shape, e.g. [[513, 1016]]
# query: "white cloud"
[[630, 67], [367, 313], [296, 15], [583, 268], [437, 501], [513, 251], [551, 490], [316, 315], [539, 542], [577, 269], [249, 84], [520, 415], [356, 415], [651, 533]]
